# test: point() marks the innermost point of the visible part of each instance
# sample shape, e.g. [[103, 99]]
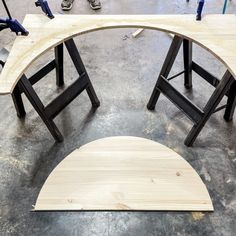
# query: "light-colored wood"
[[124, 173], [137, 32], [216, 33]]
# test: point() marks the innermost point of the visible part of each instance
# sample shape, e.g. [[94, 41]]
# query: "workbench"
[[215, 33]]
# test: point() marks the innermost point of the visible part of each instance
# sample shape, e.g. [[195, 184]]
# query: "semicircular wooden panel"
[[216, 33], [124, 173]]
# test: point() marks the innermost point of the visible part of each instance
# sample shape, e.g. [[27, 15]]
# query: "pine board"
[[124, 173], [215, 33]]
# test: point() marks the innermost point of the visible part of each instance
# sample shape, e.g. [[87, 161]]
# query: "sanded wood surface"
[[216, 33], [124, 173]]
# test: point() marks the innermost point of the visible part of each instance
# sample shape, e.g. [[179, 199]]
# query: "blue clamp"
[[199, 9], [14, 25], [45, 8]]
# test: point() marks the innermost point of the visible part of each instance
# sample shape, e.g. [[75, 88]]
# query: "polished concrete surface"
[[123, 71]]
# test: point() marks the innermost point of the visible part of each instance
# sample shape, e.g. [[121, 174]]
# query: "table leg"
[[16, 94], [169, 61], [75, 56], [187, 49], [210, 107], [59, 65], [39, 107], [231, 103], [17, 99]]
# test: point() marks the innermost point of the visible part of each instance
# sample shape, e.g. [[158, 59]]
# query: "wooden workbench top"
[[215, 33]]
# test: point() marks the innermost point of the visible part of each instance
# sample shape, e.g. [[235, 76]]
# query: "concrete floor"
[[123, 71]]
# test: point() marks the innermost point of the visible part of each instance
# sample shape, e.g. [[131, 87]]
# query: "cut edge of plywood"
[[137, 32], [123, 173]]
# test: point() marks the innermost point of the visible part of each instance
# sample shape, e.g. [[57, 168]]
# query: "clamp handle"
[[45, 8], [199, 9], [14, 25]]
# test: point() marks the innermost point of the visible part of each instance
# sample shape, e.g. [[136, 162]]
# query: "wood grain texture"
[[124, 173], [216, 33]]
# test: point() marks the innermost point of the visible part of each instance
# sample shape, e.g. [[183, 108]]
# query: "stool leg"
[[17, 99], [16, 94], [231, 103], [79, 65], [169, 61], [210, 107], [39, 107], [59, 65], [187, 48]]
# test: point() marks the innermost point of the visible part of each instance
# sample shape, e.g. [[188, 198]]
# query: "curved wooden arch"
[[124, 173], [215, 33]]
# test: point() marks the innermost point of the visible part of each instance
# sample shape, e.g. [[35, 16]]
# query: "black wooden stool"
[[49, 112], [225, 86]]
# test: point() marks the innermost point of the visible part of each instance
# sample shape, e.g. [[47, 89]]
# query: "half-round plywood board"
[[124, 173], [215, 33]]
